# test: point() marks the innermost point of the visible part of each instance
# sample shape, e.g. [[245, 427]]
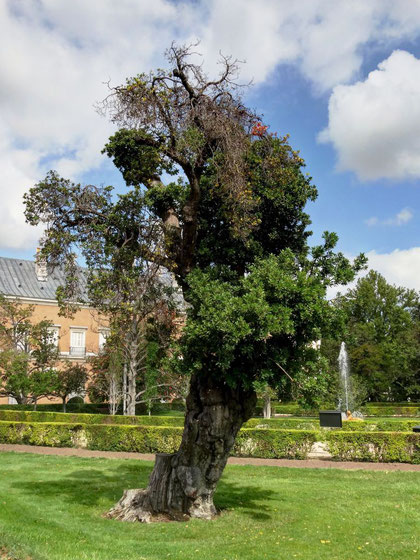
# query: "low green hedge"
[[367, 425], [292, 444], [151, 439], [371, 425], [274, 444], [140, 439], [76, 418], [385, 447], [286, 423], [93, 408], [391, 410]]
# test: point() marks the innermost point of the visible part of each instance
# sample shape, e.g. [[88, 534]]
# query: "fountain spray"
[[343, 366]]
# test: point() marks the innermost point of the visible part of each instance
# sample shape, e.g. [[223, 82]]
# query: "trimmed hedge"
[[151, 439], [369, 425], [94, 408], [274, 444], [386, 447], [292, 409], [140, 439], [371, 409], [391, 410], [292, 444], [75, 418]]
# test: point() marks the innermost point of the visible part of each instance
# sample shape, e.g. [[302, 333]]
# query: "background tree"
[[119, 281], [232, 229], [28, 353], [381, 329], [154, 379], [107, 378], [69, 380]]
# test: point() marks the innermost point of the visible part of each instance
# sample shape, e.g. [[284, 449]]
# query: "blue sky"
[[342, 78]]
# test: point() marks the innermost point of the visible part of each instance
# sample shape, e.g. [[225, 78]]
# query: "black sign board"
[[330, 419]]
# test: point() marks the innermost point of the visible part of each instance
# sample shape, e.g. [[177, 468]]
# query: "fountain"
[[346, 393], [343, 368]]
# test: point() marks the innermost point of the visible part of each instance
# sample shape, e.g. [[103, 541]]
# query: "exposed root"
[[132, 507], [135, 506]]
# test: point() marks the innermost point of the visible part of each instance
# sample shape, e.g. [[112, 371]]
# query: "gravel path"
[[309, 463]]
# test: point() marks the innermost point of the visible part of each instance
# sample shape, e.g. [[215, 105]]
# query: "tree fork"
[[182, 484]]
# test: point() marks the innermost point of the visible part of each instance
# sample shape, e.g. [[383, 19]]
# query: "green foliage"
[[354, 445], [137, 163], [382, 332], [28, 353], [391, 410], [71, 378], [274, 444], [82, 418], [368, 425], [379, 447], [243, 330]]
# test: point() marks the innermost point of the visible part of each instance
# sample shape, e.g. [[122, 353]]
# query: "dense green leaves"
[[382, 334]]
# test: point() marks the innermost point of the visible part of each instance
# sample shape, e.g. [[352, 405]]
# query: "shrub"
[[391, 410], [274, 444], [151, 439], [265, 443], [97, 408], [386, 447], [35, 416]]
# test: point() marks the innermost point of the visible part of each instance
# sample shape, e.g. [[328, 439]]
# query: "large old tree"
[[234, 234]]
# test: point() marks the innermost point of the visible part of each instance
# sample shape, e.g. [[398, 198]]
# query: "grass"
[[51, 507]]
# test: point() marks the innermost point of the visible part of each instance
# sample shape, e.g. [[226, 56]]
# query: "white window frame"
[[55, 331], [78, 350], [103, 335]]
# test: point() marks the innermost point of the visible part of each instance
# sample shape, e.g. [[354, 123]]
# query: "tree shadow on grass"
[[251, 500], [89, 487]]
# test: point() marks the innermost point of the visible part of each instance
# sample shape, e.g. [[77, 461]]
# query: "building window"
[[54, 332], [103, 335], [78, 342]]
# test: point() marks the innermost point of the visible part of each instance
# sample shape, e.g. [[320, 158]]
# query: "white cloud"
[[375, 125], [400, 267], [400, 219], [324, 38], [56, 54], [59, 54]]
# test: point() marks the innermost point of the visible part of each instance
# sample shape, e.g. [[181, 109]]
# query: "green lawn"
[[50, 508]]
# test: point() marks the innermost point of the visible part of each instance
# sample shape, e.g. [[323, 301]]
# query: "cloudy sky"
[[342, 77]]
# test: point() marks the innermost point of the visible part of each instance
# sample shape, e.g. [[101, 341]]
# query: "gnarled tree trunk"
[[182, 484]]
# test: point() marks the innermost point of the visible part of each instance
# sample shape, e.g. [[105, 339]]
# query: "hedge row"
[[76, 418], [95, 408], [391, 410], [292, 444], [383, 409], [151, 439], [368, 425], [286, 423], [384, 447]]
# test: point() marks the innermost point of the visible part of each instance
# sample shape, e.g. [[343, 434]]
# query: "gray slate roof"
[[18, 278]]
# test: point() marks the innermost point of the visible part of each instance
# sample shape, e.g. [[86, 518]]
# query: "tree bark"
[[132, 367], [182, 484]]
